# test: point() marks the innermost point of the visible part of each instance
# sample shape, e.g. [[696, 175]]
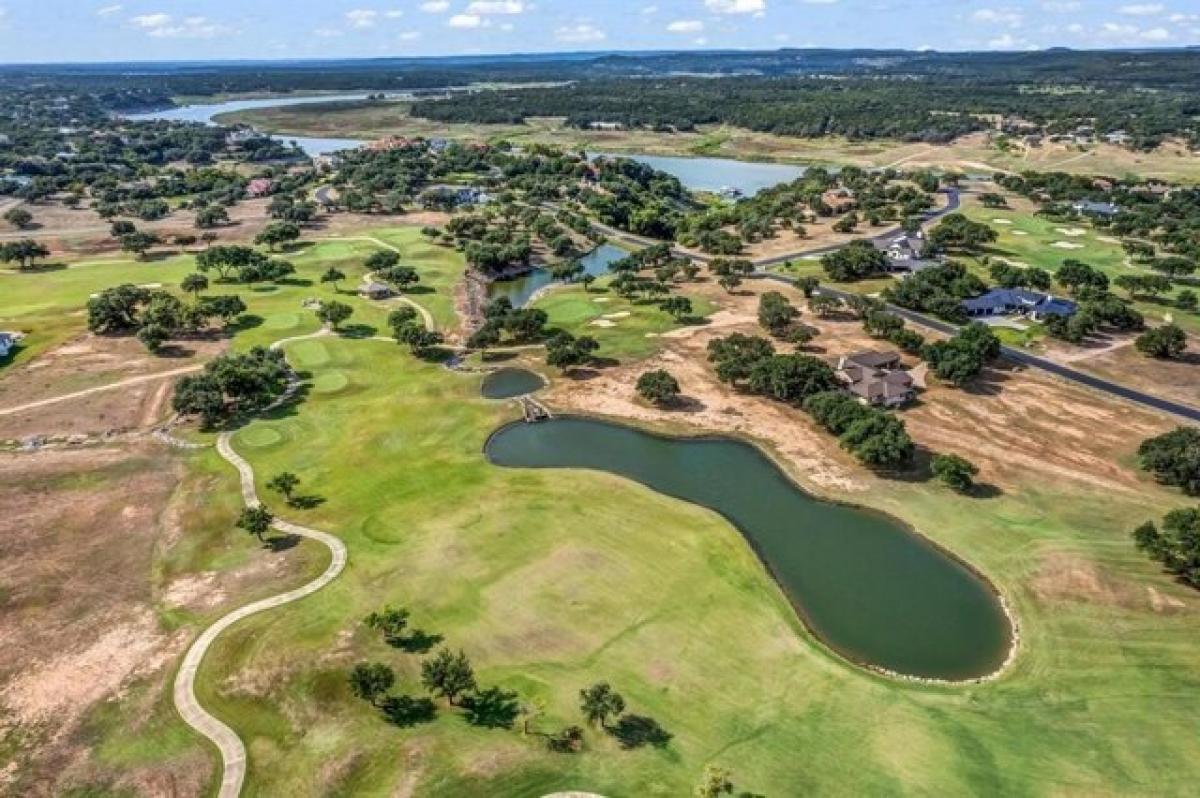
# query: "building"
[[839, 200], [376, 291], [1093, 208], [905, 247], [875, 378], [1018, 301], [260, 187]]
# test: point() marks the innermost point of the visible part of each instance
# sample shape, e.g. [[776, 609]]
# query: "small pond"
[[872, 589], [510, 383], [520, 289]]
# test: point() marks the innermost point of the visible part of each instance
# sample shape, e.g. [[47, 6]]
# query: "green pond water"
[[872, 589], [510, 383]]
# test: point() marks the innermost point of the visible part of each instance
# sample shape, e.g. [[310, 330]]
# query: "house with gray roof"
[[1093, 208], [8, 342], [1018, 301], [876, 378]]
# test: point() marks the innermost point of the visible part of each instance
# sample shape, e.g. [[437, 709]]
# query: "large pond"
[[520, 289], [872, 589], [717, 174]]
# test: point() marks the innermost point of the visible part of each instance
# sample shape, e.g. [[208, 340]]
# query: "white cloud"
[[108, 11], [1124, 33], [164, 26], [1004, 42], [580, 33], [410, 35], [3, 18], [1142, 9], [1061, 6], [736, 6], [685, 26], [435, 6], [1075, 27], [393, 14], [362, 18], [999, 16], [466, 21], [648, 10], [821, 2], [490, 7]]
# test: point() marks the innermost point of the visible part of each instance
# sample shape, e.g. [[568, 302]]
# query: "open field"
[[553, 580], [549, 590], [113, 559], [970, 154]]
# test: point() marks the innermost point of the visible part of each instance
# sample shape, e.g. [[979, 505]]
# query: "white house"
[[8, 341]]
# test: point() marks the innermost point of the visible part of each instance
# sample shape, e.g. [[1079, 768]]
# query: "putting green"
[[282, 321], [308, 354], [330, 382], [259, 437]]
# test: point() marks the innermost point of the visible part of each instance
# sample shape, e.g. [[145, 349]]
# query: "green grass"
[[1031, 240], [553, 580], [50, 305], [632, 336]]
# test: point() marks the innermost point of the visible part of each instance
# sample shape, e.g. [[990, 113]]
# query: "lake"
[[873, 590], [204, 113], [715, 174], [520, 289]]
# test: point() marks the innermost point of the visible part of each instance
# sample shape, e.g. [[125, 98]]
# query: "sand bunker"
[[1071, 232], [1019, 233], [1066, 245], [603, 323], [1001, 221], [624, 314]]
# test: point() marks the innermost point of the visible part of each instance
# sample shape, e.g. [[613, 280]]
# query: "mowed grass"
[[625, 329], [551, 580], [51, 305], [1036, 241]]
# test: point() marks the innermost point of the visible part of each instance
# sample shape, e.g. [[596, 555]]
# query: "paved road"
[[1034, 361]]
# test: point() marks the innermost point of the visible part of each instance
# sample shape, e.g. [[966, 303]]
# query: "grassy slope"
[[549, 588]]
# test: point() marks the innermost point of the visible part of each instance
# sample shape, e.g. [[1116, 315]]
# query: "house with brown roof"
[[260, 187], [876, 378], [839, 200]]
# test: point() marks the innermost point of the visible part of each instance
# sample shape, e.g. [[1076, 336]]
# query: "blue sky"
[[108, 30]]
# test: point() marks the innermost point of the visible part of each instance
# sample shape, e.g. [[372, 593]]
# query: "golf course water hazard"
[[873, 590], [511, 383]]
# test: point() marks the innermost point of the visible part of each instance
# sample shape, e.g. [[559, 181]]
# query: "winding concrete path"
[[233, 751]]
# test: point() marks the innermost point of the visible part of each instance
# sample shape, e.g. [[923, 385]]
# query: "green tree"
[[333, 275], [256, 520], [370, 681], [277, 233], [211, 216], [1176, 545], [1167, 341], [1174, 458], [391, 622], [284, 483], [600, 702], [956, 472], [194, 283], [680, 307], [334, 313], [26, 253], [659, 387], [153, 336], [791, 378], [139, 243], [448, 675], [775, 313], [1186, 300], [19, 218], [382, 260]]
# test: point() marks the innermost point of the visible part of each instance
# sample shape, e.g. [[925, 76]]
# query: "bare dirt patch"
[[1013, 423], [87, 363]]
